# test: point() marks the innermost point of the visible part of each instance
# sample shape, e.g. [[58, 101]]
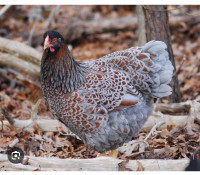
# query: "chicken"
[[105, 101]]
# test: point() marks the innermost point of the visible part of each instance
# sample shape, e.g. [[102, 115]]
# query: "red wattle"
[[52, 49]]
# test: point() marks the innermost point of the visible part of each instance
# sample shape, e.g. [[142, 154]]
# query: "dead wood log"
[[189, 20], [79, 28], [178, 121], [75, 28], [191, 107], [20, 50], [173, 108], [44, 124], [7, 59], [97, 164]]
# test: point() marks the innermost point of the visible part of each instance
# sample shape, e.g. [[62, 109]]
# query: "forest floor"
[[15, 95]]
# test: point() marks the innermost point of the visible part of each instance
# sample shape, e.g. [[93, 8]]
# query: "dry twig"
[[8, 116], [33, 30], [180, 66], [14, 142], [34, 116], [4, 9], [154, 129], [50, 20]]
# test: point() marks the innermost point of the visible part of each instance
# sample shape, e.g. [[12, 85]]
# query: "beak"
[[47, 42], [47, 46]]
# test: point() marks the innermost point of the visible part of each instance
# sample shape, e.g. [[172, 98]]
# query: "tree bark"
[[141, 26], [157, 28]]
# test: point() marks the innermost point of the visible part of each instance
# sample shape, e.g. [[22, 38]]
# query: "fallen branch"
[[179, 121], [14, 142], [34, 115], [194, 115], [33, 30], [130, 146], [75, 28], [15, 62], [183, 107], [176, 20], [34, 110], [4, 9], [154, 129], [3, 73], [20, 50], [97, 164], [50, 20], [79, 28], [44, 124], [191, 107]]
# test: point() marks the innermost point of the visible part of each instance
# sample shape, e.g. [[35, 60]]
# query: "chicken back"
[[105, 101]]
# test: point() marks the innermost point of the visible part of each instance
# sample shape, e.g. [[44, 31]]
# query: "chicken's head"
[[52, 41]]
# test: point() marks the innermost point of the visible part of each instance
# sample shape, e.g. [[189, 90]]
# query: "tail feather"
[[162, 69], [154, 46]]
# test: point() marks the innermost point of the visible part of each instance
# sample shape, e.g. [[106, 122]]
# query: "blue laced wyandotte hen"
[[105, 101]]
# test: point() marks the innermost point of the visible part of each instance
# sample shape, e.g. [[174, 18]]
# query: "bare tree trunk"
[[141, 26], [157, 28]]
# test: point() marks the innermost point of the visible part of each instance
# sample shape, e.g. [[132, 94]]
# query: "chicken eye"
[[54, 40]]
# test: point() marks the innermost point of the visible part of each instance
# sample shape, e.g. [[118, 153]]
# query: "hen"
[[105, 101]]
